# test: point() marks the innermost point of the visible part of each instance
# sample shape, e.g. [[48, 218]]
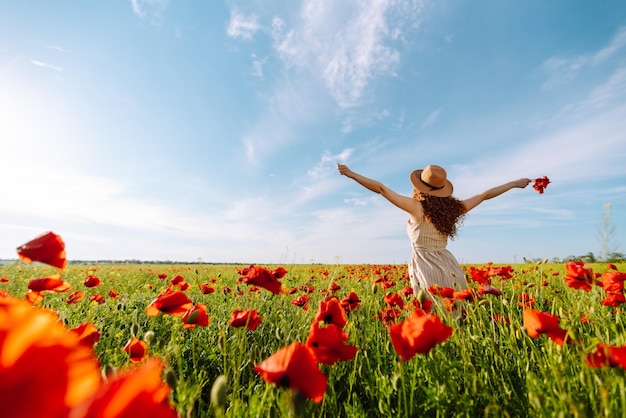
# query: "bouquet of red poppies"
[[541, 183]]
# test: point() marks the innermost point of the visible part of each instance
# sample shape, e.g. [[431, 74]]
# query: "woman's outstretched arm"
[[476, 200], [405, 203], [370, 184]]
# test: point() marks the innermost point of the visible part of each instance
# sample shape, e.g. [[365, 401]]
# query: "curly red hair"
[[445, 213]]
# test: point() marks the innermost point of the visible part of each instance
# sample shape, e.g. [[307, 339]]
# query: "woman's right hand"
[[343, 170]]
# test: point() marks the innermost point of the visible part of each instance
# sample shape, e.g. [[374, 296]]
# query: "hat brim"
[[417, 182]]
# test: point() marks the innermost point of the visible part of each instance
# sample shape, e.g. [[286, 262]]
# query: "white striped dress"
[[431, 263]]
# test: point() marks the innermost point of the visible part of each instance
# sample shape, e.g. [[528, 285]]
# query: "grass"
[[485, 369]]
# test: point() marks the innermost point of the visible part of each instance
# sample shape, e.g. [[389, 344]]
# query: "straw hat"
[[432, 180]]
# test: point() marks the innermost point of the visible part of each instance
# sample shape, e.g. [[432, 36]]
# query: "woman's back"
[[424, 236]]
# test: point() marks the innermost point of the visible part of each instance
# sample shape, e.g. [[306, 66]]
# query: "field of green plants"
[[491, 365]]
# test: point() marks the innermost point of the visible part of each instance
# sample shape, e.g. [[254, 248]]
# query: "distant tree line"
[[590, 257]]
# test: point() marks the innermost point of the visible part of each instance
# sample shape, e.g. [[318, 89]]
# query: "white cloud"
[[601, 97], [46, 65], [257, 66], [331, 53], [150, 9], [591, 150], [617, 43], [241, 26], [360, 201], [57, 48], [348, 43], [329, 160], [431, 118], [137, 8], [560, 70]]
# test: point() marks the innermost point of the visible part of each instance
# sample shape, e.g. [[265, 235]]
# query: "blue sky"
[[185, 130]]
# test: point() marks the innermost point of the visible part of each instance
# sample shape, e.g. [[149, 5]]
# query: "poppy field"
[[204, 340]]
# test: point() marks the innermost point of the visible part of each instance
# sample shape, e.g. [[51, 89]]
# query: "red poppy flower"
[[302, 301], [487, 289], [206, 289], [418, 334], [137, 392], [525, 300], [264, 278], [34, 297], [613, 281], [136, 349], [387, 284], [75, 297], [247, 318], [177, 279], [425, 305], [279, 272], [87, 334], [307, 289], [4, 280], [329, 311], [607, 356], [113, 294], [614, 299], [37, 350], [394, 299], [350, 302], [171, 302], [52, 283], [388, 315], [47, 248], [443, 292], [480, 276], [97, 298], [503, 272], [92, 281], [162, 276], [541, 183], [334, 287], [537, 323], [578, 277], [294, 367], [407, 291], [196, 316], [327, 343], [465, 294]]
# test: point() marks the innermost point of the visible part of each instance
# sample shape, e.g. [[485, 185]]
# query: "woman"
[[434, 215]]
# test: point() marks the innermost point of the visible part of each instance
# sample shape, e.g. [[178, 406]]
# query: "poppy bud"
[[374, 288], [148, 336], [134, 330], [422, 295], [191, 319], [218, 393], [171, 379], [220, 342]]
